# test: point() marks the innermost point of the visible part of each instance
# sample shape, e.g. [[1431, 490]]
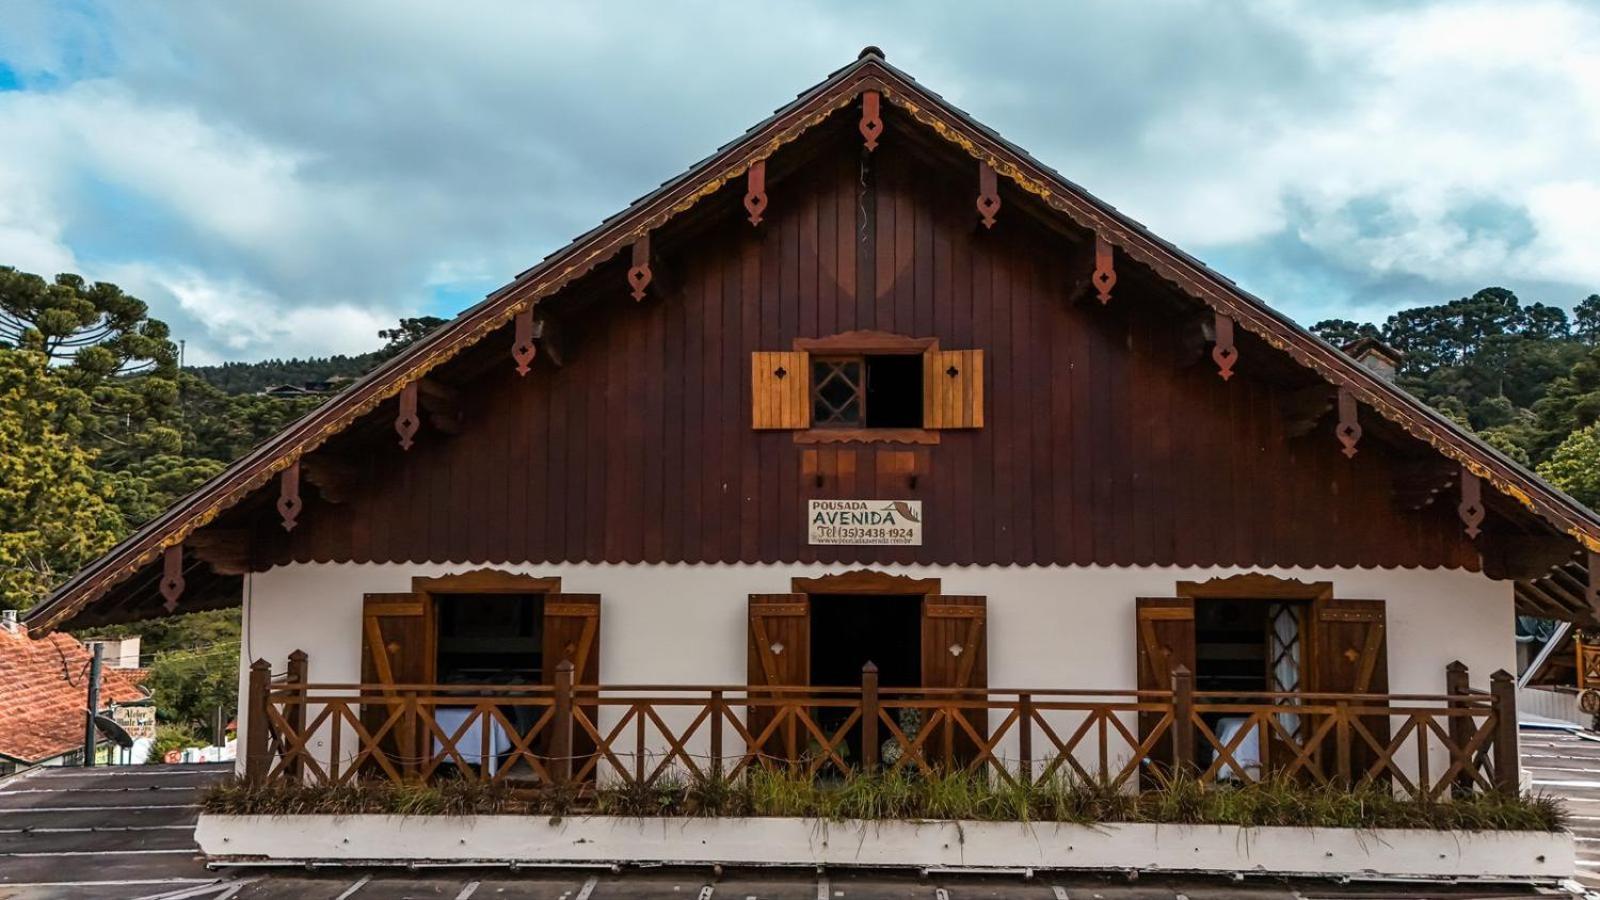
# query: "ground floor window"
[[490, 638]]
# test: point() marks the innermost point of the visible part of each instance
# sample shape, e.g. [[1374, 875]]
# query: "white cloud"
[[338, 165]]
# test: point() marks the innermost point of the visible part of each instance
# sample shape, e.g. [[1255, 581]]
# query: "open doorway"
[[850, 630], [1245, 648], [490, 639]]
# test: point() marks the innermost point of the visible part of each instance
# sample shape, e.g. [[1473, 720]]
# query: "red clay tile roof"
[[43, 688]]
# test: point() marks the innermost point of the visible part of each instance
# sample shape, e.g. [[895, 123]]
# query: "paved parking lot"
[[118, 834]]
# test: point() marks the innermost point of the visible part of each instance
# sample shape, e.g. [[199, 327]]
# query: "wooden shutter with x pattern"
[[396, 649], [779, 655]]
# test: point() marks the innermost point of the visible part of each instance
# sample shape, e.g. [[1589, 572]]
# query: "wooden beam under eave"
[[442, 403], [1521, 557], [1529, 593], [1418, 483], [336, 479], [226, 550], [1563, 603], [1561, 577]]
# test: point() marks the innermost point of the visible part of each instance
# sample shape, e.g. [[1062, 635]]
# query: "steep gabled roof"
[[868, 73]]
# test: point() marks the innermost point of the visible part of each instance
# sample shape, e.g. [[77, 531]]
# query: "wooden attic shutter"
[[955, 655], [1165, 639], [779, 655], [1352, 657], [780, 389], [396, 649], [952, 389]]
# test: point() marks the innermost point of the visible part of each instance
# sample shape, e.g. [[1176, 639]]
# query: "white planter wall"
[[1389, 853]]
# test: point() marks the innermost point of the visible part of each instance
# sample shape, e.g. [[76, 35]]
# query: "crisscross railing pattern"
[[1423, 746]]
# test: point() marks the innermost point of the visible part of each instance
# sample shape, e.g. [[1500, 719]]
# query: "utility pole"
[[89, 731]]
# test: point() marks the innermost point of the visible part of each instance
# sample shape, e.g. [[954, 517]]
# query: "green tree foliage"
[[1523, 376], [1574, 467], [408, 332], [97, 328], [57, 511], [100, 432]]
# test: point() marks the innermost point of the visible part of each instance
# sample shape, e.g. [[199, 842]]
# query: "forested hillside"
[[1526, 378], [100, 429]]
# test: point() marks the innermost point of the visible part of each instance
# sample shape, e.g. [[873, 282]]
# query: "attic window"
[[867, 391]]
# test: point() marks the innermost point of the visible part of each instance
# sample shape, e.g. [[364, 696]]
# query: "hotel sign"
[[892, 522]]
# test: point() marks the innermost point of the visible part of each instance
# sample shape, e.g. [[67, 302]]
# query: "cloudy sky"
[[285, 178]]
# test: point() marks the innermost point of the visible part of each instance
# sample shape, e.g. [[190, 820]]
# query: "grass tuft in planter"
[[909, 795]]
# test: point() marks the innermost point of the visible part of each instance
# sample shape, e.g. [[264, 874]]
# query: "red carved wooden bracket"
[[172, 576], [1105, 271], [988, 194], [871, 121], [639, 272], [406, 421], [523, 348], [1349, 427], [1471, 508], [1223, 352], [289, 504], [755, 194]]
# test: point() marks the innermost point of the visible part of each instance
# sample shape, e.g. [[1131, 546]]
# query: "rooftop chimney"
[[8, 621], [1377, 356]]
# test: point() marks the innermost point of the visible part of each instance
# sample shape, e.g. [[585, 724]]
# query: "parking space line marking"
[[822, 887], [588, 888], [354, 887], [468, 891]]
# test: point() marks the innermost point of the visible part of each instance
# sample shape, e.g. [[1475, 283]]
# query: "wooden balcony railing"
[[1422, 745]]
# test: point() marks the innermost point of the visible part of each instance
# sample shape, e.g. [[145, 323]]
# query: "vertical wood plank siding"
[[1097, 446]]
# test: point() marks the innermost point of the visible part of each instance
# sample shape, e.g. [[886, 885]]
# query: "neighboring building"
[[119, 652], [44, 685], [869, 384]]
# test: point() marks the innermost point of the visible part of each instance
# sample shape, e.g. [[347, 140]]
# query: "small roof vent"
[[1376, 355]]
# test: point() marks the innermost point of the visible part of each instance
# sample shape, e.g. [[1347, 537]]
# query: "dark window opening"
[[1242, 648], [848, 631], [490, 638], [867, 391], [894, 391]]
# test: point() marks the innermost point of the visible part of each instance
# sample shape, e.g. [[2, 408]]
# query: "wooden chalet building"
[[869, 383]]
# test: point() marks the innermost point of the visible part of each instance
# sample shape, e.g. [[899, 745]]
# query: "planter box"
[[1388, 853]]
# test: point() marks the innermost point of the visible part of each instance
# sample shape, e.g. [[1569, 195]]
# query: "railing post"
[[1507, 768], [295, 714], [716, 734], [561, 738], [1025, 737], [1458, 686], [414, 743], [869, 717], [256, 759], [1341, 743], [1182, 720]]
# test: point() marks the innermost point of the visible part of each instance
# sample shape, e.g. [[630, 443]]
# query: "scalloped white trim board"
[[1377, 854]]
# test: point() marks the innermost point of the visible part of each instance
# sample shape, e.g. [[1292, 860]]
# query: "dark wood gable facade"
[[1078, 405], [1107, 436]]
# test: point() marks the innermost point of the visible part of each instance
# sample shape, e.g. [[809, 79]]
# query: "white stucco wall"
[[1049, 627]]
